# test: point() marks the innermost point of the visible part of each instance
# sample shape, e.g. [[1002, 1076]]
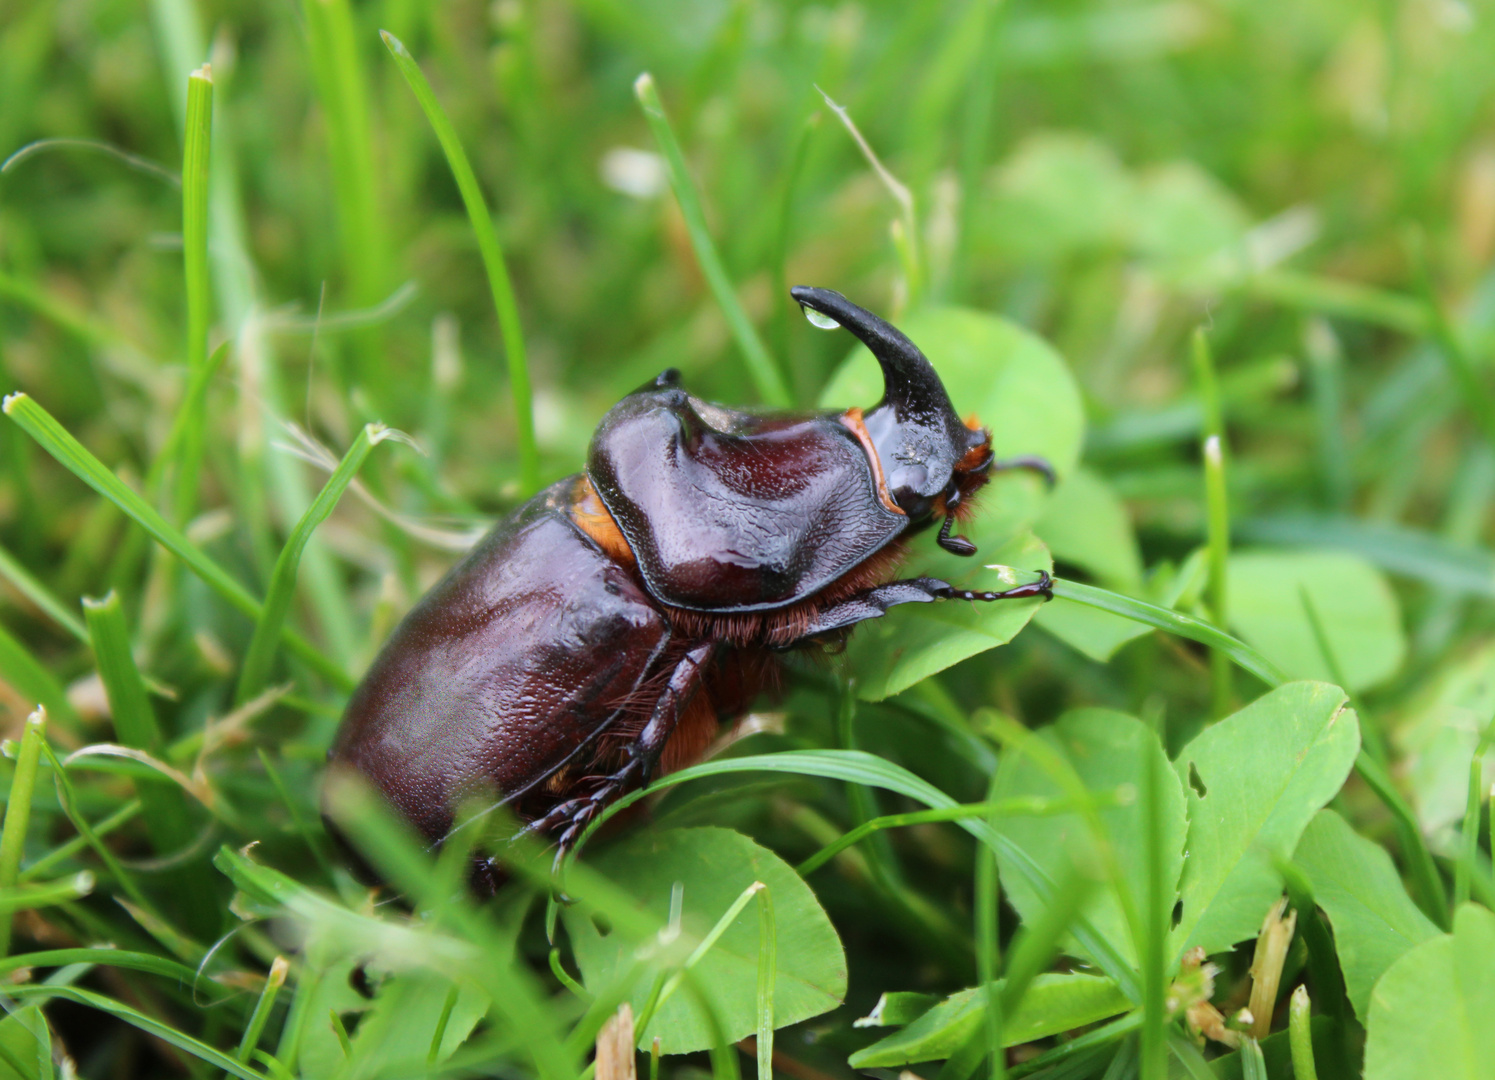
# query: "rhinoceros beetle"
[[599, 633]]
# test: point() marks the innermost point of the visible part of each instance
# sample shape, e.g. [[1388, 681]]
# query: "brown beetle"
[[598, 634]]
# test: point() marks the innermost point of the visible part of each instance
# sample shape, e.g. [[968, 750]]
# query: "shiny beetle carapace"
[[598, 634]]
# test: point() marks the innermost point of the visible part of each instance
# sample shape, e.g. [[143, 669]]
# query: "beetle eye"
[[905, 485]]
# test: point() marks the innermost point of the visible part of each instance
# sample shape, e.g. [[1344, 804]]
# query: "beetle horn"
[[912, 386]]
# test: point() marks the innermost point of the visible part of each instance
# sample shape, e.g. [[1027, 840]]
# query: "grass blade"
[[40, 595], [32, 681], [261, 1015], [1430, 894], [167, 817], [768, 973], [1347, 299], [71, 454], [1469, 840], [1161, 618], [766, 376], [1218, 517], [988, 943], [268, 630], [16, 898], [66, 851], [18, 811], [1022, 806], [149, 1024], [1300, 1036], [1156, 909], [493, 259], [195, 155]]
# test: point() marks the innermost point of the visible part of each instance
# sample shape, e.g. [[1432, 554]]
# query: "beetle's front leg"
[[572, 816], [873, 603]]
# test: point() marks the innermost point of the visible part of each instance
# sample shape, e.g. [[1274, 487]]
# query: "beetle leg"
[[1032, 462], [956, 545], [574, 815], [873, 603]]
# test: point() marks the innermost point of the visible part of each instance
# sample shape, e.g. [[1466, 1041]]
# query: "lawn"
[[298, 300]]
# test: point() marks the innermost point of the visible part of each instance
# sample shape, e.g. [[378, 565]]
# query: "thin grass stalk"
[[332, 45], [988, 942], [255, 673], [783, 226], [768, 974], [698, 954], [1372, 738], [31, 679], [126, 881], [1300, 1035], [1161, 618], [18, 811], [766, 376], [1430, 894], [1022, 806], [197, 149], [1473, 393], [188, 414], [1326, 386], [1156, 909], [1463, 869], [1371, 764], [1217, 514], [302, 826], [493, 260], [135, 1018], [167, 817], [71, 454], [263, 480], [63, 852], [439, 1034], [975, 137], [262, 1007], [1346, 299], [33, 590]]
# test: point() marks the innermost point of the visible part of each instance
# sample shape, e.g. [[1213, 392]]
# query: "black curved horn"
[[912, 386]]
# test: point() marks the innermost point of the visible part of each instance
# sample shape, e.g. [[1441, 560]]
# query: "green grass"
[[1258, 235]]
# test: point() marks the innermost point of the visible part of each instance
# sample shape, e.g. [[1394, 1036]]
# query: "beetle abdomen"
[[524, 653]]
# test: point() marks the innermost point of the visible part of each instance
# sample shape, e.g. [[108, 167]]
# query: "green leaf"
[[1097, 634], [1012, 381], [915, 641], [1053, 1003], [714, 866], [1430, 1015], [1254, 781], [25, 1040], [1085, 524], [1058, 194], [1374, 919], [858, 767], [1353, 600], [1105, 749]]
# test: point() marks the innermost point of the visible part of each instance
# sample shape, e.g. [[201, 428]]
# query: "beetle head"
[[928, 455]]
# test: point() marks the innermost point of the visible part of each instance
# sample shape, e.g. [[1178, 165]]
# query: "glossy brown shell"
[[514, 663], [729, 511]]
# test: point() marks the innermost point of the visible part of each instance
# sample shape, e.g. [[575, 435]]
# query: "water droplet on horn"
[[820, 319]]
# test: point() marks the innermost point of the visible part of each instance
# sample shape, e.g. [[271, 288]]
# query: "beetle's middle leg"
[[572, 816], [874, 602]]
